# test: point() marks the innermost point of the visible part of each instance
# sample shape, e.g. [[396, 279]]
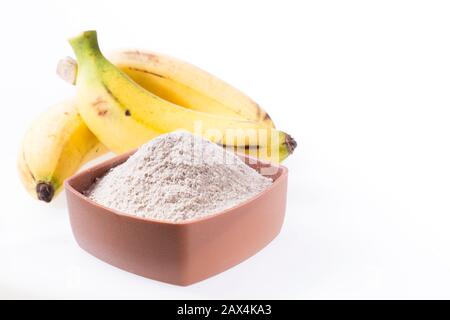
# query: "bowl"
[[179, 253]]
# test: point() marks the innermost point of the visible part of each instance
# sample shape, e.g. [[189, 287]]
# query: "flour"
[[177, 177]]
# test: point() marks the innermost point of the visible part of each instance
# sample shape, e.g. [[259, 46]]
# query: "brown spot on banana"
[[97, 106], [119, 102], [290, 143], [146, 71], [127, 113], [132, 53], [262, 115], [249, 147], [98, 101], [146, 55], [267, 117]]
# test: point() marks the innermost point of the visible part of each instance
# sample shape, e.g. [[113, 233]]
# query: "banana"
[[54, 147], [124, 115], [180, 83]]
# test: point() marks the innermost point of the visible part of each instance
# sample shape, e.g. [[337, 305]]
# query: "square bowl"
[[179, 253]]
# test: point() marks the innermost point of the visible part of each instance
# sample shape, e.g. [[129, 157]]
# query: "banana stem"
[[86, 49], [67, 70]]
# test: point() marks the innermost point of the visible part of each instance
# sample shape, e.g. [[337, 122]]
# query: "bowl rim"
[[108, 163]]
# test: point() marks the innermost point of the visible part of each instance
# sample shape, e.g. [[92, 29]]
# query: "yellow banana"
[[180, 83], [124, 115], [53, 148]]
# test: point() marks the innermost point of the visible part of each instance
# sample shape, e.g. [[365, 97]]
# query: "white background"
[[364, 86]]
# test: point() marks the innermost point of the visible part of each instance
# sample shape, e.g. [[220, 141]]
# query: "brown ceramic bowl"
[[178, 253]]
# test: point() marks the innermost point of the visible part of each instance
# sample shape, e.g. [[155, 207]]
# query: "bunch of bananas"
[[131, 98]]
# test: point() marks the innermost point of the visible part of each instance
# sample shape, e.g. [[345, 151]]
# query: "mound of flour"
[[178, 177]]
